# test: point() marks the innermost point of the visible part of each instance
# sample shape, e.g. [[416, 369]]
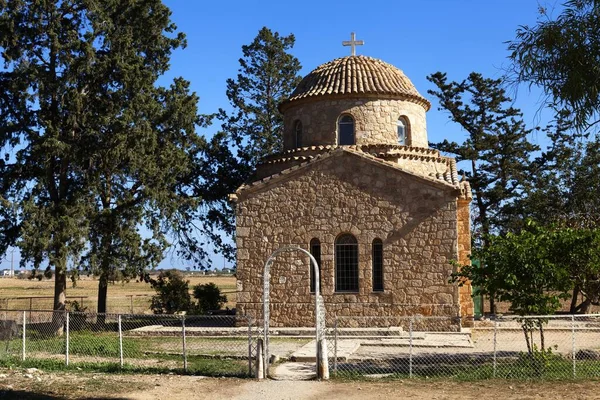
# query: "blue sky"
[[419, 37]]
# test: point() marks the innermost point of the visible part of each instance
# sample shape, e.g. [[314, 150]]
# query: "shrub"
[[209, 298], [172, 293]]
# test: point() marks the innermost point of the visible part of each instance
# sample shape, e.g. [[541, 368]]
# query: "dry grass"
[[120, 294]]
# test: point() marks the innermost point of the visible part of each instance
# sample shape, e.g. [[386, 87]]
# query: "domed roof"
[[357, 75]]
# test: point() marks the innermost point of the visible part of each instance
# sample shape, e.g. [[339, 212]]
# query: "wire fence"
[[126, 304], [547, 347], [214, 345], [536, 347]]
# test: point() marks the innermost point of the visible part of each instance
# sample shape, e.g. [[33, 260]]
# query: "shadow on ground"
[[25, 395]]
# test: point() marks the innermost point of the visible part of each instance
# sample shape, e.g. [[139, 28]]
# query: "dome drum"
[[375, 121]]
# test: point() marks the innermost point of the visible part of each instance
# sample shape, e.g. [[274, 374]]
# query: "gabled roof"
[[337, 152]]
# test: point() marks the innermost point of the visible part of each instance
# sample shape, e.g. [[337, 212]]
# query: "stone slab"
[[308, 352], [295, 371]]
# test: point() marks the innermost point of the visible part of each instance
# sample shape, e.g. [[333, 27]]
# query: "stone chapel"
[[359, 188]]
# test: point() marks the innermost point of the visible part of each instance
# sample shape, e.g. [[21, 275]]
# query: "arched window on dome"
[[403, 131], [346, 263], [298, 133], [315, 250], [377, 254], [346, 130]]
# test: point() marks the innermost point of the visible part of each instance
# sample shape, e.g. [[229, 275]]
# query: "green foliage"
[[267, 75], [562, 55], [172, 293], [94, 148], [496, 145], [209, 297], [535, 269]]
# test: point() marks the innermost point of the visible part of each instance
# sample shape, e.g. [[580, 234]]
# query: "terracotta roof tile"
[[357, 75]]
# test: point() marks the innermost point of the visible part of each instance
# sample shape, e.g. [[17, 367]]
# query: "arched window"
[[402, 126], [346, 130], [315, 250], [346, 263], [377, 265], [298, 133]]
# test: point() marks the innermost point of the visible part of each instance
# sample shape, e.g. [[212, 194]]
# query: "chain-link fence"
[[505, 347], [218, 345]]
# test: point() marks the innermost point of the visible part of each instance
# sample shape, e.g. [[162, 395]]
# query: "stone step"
[[308, 352]]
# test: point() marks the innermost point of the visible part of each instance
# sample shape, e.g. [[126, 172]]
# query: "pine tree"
[[563, 191], [562, 55], [496, 147], [252, 130], [95, 148]]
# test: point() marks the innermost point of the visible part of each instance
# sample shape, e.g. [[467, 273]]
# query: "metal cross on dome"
[[353, 43]]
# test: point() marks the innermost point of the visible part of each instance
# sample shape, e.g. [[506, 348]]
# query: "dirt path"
[[38, 385]]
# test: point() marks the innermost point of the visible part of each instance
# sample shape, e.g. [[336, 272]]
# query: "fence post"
[[184, 343], [260, 366], [335, 345], [249, 319], [24, 335], [495, 344], [410, 346], [120, 342], [573, 344], [67, 339]]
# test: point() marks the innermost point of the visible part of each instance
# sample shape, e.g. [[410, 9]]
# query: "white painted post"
[[184, 343], [410, 346], [323, 372], [67, 340], [260, 366], [24, 335], [495, 343], [120, 342], [573, 344]]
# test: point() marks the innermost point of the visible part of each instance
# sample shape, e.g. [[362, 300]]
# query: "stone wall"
[[464, 252], [375, 121], [416, 220]]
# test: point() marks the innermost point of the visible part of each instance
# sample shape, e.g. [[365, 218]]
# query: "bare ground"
[[33, 384]]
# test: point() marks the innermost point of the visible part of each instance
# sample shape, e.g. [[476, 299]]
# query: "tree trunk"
[[60, 292], [102, 295], [542, 341], [573, 308], [584, 307], [102, 292], [526, 333]]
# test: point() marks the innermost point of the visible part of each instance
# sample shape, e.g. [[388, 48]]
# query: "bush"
[[209, 298], [172, 293]]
